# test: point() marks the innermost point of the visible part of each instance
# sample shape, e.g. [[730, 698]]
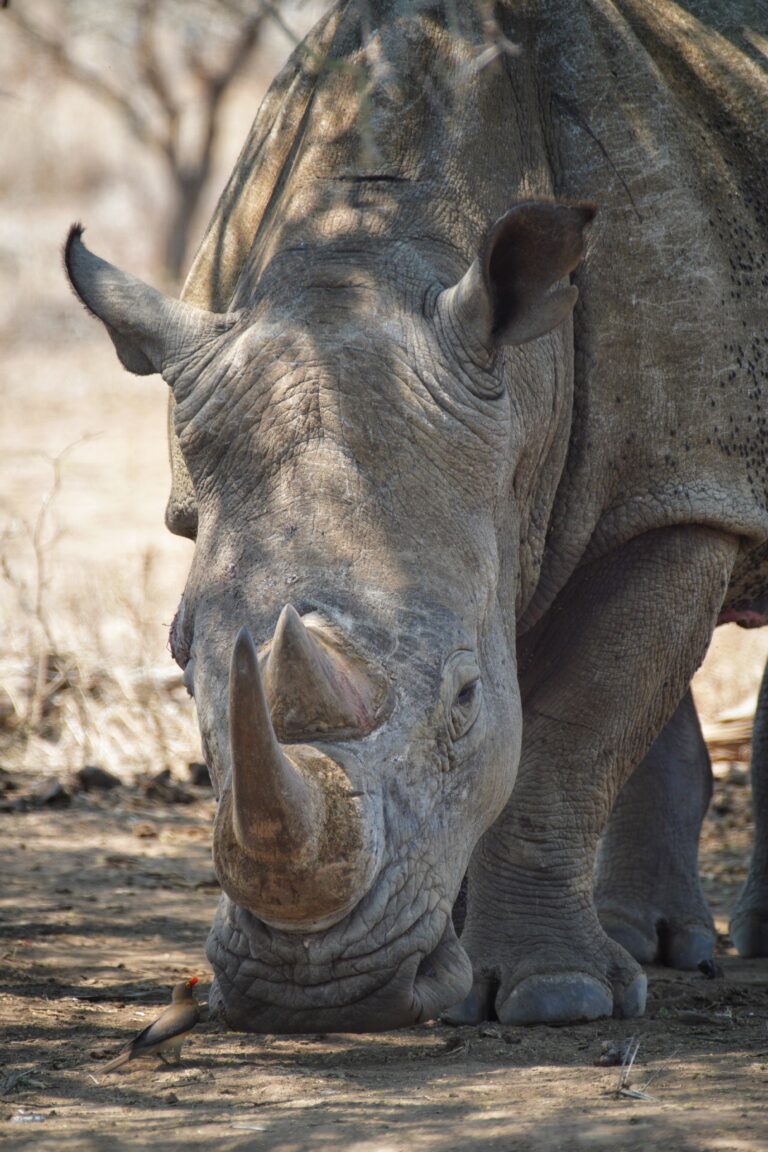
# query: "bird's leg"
[[171, 1053]]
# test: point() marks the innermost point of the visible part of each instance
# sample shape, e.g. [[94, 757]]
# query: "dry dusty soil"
[[106, 903]]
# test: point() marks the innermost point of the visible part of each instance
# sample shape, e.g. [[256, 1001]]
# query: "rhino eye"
[[462, 693], [465, 709]]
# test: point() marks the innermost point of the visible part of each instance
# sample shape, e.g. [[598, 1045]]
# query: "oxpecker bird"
[[165, 1035]]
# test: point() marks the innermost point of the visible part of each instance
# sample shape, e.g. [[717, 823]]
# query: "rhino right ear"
[[509, 295], [151, 332]]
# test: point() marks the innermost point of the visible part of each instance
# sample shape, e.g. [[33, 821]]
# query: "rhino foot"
[[605, 981], [569, 998], [573, 996], [749, 926], [655, 938]]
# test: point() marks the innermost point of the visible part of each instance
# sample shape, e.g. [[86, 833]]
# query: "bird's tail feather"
[[118, 1061]]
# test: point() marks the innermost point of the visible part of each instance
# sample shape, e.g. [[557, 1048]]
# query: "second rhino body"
[[456, 530]]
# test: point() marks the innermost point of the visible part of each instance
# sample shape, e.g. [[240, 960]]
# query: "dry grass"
[[80, 679], [89, 578]]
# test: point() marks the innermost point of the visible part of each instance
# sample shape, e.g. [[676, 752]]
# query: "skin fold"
[[466, 423]]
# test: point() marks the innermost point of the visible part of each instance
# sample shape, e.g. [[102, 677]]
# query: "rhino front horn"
[[293, 841]]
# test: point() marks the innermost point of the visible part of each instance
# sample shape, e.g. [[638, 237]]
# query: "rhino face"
[[346, 627]]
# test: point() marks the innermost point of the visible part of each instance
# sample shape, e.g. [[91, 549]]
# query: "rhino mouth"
[[263, 983]]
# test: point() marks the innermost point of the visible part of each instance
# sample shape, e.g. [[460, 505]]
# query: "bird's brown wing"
[[174, 1021]]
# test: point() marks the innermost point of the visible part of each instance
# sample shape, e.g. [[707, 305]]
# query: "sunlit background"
[[128, 117]]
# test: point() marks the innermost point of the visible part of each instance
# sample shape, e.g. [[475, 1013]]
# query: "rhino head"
[[366, 447]]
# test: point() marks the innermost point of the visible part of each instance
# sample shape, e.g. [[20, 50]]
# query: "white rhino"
[[467, 502]]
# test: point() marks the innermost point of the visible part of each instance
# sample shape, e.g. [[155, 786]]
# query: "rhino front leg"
[[600, 678], [749, 922], [647, 889]]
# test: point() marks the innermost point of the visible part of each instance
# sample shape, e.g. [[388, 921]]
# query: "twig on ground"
[[623, 1087], [630, 1055], [21, 1077]]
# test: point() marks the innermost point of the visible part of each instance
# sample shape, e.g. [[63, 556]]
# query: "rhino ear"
[[150, 331], [506, 296]]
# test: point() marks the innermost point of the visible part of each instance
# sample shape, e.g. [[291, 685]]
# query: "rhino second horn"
[[293, 843], [315, 690]]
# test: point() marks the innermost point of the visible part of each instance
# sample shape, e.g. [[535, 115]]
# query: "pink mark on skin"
[[744, 617]]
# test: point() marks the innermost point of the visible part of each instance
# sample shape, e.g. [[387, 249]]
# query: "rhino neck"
[[660, 115]]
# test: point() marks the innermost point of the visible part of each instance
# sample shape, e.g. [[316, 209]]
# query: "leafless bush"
[[66, 698]]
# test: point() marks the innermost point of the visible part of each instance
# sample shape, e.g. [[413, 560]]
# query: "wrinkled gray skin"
[[386, 415], [647, 890], [749, 919]]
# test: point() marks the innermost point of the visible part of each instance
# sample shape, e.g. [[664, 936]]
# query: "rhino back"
[[660, 114], [406, 145]]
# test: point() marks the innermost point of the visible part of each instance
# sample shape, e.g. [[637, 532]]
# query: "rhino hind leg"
[[647, 889], [532, 932], [749, 921]]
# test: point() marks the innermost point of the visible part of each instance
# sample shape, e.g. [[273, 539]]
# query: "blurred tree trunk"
[[143, 64], [186, 197]]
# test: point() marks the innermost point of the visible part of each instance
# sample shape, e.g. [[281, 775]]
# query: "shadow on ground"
[[98, 917]]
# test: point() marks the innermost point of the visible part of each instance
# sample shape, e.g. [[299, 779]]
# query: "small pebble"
[[613, 1053]]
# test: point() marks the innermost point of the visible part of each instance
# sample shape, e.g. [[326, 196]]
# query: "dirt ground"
[[107, 902]]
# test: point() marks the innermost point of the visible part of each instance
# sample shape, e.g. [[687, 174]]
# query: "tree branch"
[[151, 72], [87, 78]]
